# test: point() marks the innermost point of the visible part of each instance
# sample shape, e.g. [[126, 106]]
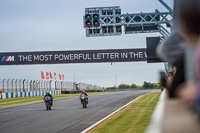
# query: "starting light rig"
[[108, 21], [96, 21]]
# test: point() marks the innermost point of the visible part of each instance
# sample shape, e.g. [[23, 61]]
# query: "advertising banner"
[[78, 56]]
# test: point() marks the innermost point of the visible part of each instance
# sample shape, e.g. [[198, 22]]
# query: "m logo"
[[8, 58]]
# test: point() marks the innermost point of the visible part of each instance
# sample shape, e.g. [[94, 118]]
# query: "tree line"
[[146, 85]]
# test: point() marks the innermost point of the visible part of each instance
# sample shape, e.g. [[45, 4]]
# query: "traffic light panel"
[[92, 18], [94, 21]]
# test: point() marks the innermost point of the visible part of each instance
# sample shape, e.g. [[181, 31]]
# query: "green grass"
[[134, 118], [27, 100], [149, 100]]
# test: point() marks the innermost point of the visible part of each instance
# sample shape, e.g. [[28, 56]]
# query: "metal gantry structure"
[[109, 21]]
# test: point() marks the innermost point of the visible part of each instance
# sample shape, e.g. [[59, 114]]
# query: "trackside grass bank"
[[27, 100], [134, 118]]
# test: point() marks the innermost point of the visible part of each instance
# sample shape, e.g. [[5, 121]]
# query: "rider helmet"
[[83, 91]]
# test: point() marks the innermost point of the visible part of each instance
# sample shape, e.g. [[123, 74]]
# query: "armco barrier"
[[28, 94]]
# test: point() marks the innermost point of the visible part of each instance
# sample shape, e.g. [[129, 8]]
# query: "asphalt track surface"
[[67, 115]]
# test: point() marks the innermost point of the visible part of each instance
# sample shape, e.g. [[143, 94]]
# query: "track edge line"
[[98, 122]]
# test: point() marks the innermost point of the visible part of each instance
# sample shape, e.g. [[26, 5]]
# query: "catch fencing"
[[24, 85]]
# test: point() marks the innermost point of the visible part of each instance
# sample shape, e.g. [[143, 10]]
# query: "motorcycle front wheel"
[[84, 103], [47, 107]]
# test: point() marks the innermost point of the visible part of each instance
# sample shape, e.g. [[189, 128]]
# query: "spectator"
[[172, 50], [189, 16], [174, 70], [169, 78], [162, 81]]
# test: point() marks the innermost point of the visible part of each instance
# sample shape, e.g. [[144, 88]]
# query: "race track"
[[66, 116]]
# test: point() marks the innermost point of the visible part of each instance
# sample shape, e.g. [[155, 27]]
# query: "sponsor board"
[[78, 56]]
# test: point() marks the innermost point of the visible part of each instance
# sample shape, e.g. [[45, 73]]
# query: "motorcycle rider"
[[48, 94], [83, 92]]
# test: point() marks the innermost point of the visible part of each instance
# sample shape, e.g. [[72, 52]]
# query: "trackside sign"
[[78, 56]]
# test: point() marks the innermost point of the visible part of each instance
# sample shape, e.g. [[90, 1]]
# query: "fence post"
[[50, 84], [45, 83], [61, 85], [8, 85], [3, 85], [42, 85], [55, 85], [33, 85], [39, 85], [23, 85], [12, 85], [30, 85], [65, 85], [20, 84], [16, 84], [27, 85], [36, 85]]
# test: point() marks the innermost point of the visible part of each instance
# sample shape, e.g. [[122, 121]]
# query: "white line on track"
[[98, 122]]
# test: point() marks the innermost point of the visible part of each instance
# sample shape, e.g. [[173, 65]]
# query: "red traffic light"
[[88, 24], [96, 23]]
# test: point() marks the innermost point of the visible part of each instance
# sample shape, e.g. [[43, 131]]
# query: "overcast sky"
[[55, 25]]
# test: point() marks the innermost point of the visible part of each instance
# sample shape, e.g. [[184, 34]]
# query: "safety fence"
[[24, 85]]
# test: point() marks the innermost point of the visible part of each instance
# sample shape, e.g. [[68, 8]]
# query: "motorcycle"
[[84, 100], [48, 103]]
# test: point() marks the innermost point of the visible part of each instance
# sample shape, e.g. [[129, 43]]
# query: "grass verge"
[[134, 118], [27, 100]]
